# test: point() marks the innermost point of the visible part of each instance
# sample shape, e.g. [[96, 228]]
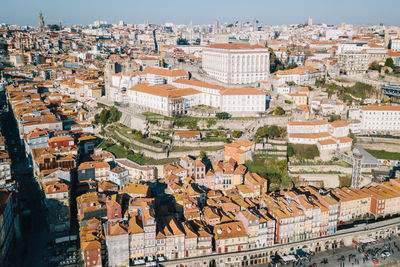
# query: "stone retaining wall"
[[320, 168], [197, 143], [137, 143]]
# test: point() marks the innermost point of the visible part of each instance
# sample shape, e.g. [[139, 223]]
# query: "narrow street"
[[32, 246]]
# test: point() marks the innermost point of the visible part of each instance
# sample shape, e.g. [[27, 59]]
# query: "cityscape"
[[228, 143]]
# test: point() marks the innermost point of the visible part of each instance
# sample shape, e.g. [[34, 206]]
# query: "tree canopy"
[[222, 116], [279, 111], [182, 41], [389, 63], [272, 131], [237, 134], [107, 116]]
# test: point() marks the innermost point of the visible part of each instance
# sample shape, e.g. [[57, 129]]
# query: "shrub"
[[279, 111], [222, 115], [237, 134]]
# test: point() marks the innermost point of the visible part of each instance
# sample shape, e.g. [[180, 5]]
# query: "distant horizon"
[[74, 12], [195, 24]]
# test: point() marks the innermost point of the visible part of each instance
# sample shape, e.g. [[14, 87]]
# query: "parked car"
[[375, 261], [385, 253]]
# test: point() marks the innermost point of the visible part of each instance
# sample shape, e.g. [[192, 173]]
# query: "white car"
[[385, 254]]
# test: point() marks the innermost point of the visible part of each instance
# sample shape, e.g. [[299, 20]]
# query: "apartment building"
[[301, 75], [353, 58], [327, 136], [240, 151], [58, 203], [354, 204], [117, 241], [230, 237], [94, 170], [5, 167], [8, 225], [138, 172]]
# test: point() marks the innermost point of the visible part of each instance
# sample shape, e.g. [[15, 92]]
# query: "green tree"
[[274, 63], [202, 154], [211, 122], [114, 114], [291, 83], [290, 151], [104, 115], [334, 117], [182, 41], [374, 66], [222, 115], [215, 132], [262, 132], [279, 111], [237, 134], [222, 134], [54, 27], [291, 66], [390, 63], [273, 131], [320, 82]]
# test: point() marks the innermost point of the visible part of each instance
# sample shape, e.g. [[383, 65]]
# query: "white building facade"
[[239, 63], [376, 118]]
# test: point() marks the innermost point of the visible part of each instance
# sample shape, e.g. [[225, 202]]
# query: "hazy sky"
[[25, 12]]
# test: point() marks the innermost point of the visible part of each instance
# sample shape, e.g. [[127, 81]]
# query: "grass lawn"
[[120, 152], [213, 139], [151, 161], [382, 154], [274, 170], [117, 150]]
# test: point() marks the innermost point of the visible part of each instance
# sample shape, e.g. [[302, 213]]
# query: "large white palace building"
[[237, 63], [171, 93]]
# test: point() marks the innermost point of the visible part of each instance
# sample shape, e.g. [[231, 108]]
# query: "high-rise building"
[[255, 25], [190, 27], [240, 25], [309, 21], [216, 27], [41, 22]]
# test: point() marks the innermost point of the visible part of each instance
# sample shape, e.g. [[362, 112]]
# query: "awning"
[[288, 258], [300, 252], [366, 240]]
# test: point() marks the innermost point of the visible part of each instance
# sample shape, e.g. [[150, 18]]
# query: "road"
[[31, 247], [360, 229], [333, 257]]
